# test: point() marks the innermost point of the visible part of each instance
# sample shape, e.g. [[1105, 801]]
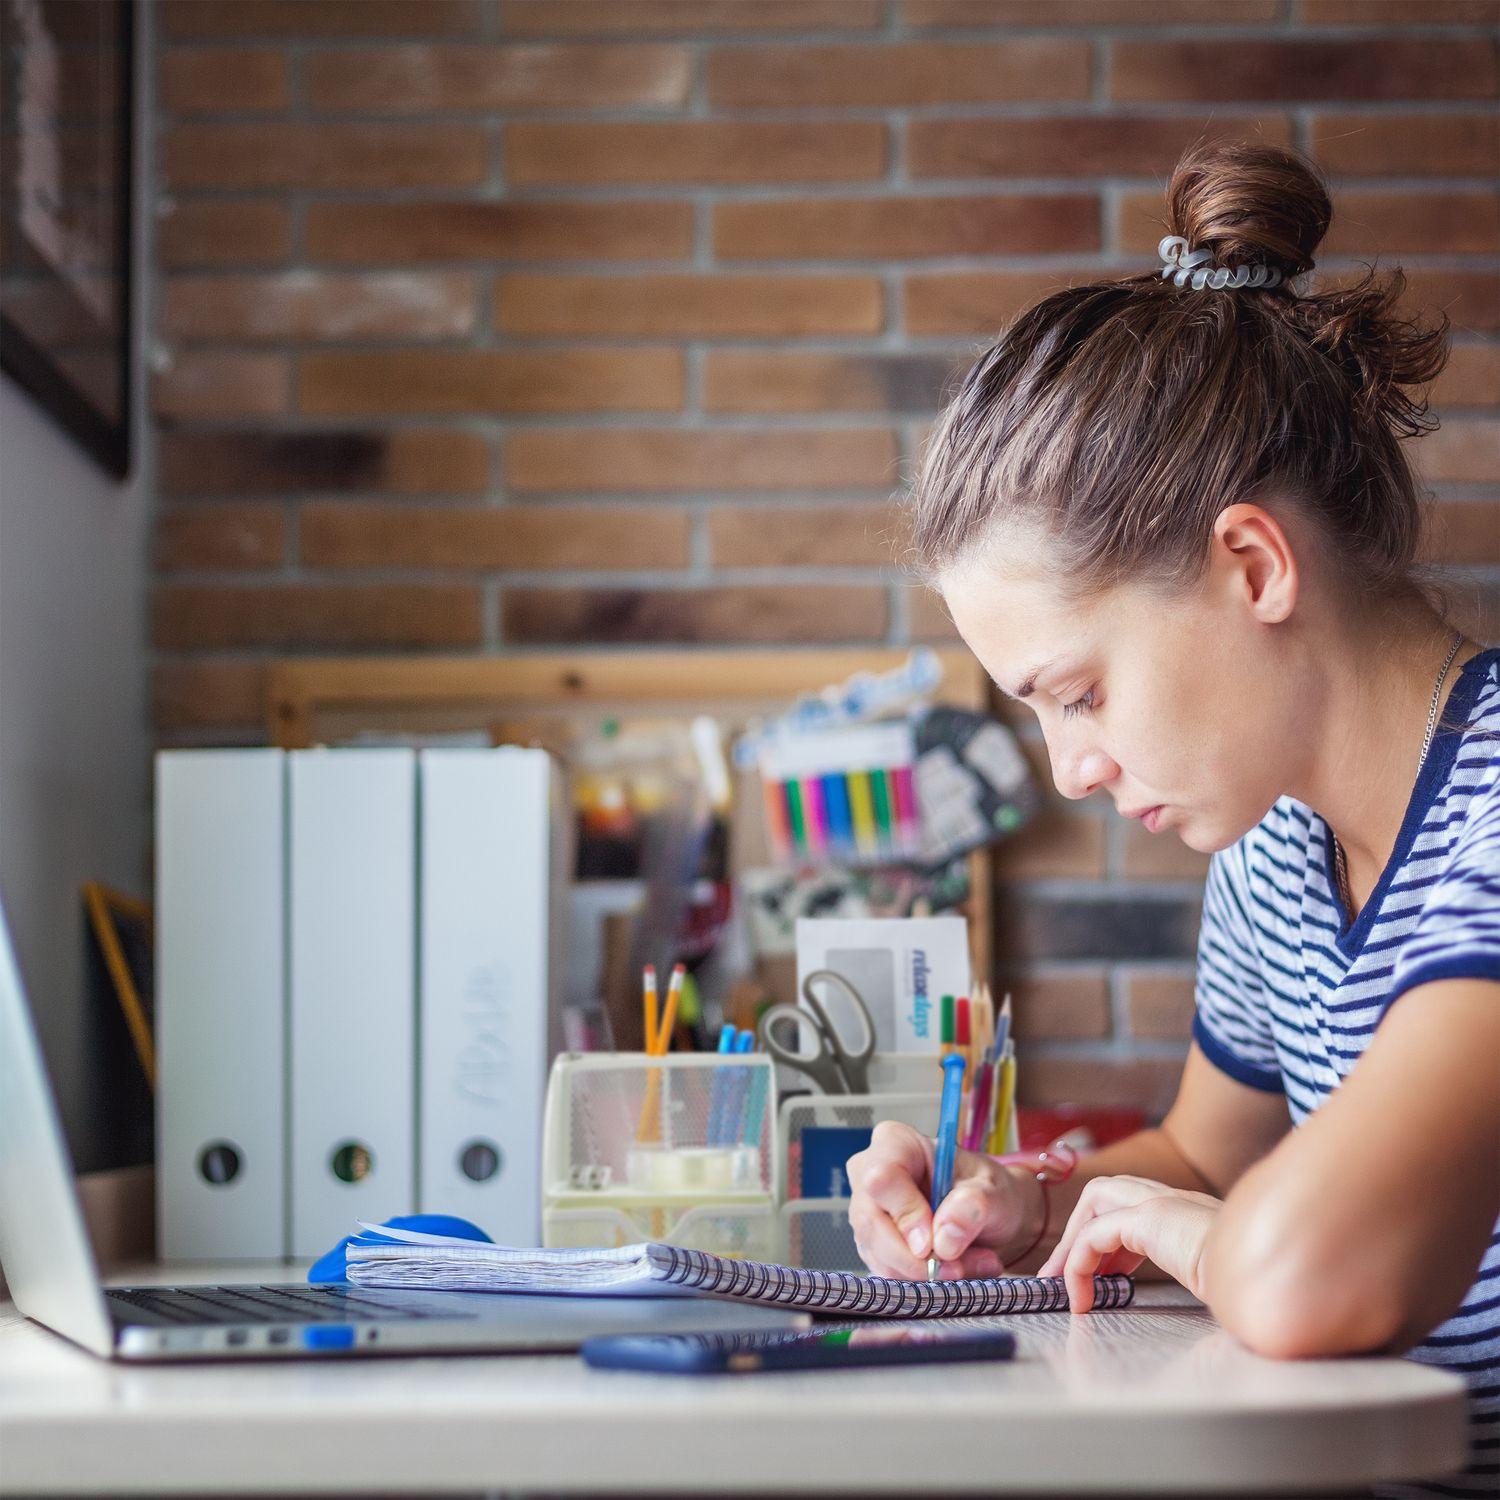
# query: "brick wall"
[[487, 326]]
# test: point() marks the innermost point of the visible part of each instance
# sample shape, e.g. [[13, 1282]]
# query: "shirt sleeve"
[[1457, 933], [1231, 1024]]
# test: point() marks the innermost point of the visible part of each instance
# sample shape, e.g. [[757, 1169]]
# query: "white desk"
[[1155, 1399]]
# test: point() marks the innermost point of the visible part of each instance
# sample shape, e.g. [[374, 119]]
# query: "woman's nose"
[[1080, 770]]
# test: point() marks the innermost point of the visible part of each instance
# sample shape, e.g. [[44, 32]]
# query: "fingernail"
[[917, 1239], [948, 1242]]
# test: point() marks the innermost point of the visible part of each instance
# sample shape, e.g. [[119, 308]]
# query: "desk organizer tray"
[[677, 1149]]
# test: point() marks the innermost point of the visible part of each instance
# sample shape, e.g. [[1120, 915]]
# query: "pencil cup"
[[677, 1148]]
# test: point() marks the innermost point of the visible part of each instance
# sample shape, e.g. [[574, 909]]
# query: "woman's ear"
[[1254, 554]]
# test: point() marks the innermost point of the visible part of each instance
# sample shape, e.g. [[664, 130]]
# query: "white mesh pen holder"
[[814, 1230], [677, 1148]]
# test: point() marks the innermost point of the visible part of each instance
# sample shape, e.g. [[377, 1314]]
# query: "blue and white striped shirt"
[[1289, 994]]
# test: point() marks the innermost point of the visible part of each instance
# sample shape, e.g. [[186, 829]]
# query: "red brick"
[[220, 536], [646, 17], [1394, 12], [202, 384], [775, 381], [412, 461], [423, 79], [708, 151], [1364, 224], [1101, 13], [281, 155], [589, 459], [906, 228], [1147, 1083], [1159, 856], [928, 617], [404, 233], [1307, 70], [1160, 1005], [1471, 299], [808, 536], [297, 616], [344, 535], [1409, 145], [1367, 224], [826, 612], [1055, 845], [1470, 378], [209, 80], [689, 305], [1460, 453], [246, 233], [1465, 532], [1072, 145], [305, 306], [208, 693], [899, 74], [318, 18], [1057, 1007], [982, 302], [490, 380]]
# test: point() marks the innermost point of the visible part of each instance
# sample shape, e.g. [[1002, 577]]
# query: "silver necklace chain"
[[1340, 863]]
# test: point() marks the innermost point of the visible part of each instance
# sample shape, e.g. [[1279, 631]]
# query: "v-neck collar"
[[1350, 938]]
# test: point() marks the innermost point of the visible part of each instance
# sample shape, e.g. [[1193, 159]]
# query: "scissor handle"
[[821, 1066], [853, 1065]]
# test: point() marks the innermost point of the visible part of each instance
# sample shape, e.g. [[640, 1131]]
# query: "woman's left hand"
[[1119, 1222]]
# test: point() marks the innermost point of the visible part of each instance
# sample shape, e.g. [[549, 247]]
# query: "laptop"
[[49, 1265]]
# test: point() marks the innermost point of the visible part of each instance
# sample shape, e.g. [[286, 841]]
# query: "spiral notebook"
[[395, 1258]]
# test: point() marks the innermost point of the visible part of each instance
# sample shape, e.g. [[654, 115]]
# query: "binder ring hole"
[[219, 1163], [352, 1162], [479, 1160]]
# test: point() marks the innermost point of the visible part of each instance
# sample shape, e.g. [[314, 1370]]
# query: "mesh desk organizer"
[[679, 1148]]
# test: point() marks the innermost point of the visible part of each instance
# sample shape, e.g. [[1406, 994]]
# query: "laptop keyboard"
[[252, 1304]]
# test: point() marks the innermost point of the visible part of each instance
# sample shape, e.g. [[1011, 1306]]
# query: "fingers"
[[961, 1217], [1106, 1244], [890, 1180], [1100, 1195]]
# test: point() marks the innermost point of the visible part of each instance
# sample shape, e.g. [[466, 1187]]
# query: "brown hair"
[[1119, 418]]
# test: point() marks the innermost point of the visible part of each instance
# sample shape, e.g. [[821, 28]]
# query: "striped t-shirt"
[[1289, 992]]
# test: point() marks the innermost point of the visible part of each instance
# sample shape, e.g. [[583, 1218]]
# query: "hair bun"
[[1250, 205]]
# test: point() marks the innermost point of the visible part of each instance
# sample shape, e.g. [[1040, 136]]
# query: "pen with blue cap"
[[946, 1150]]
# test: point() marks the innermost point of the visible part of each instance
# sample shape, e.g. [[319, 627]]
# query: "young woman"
[[1173, 514]]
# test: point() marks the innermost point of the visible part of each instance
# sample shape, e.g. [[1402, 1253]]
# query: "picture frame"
[[66, 215]]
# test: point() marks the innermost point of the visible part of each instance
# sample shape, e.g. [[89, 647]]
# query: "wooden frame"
[[303, 692]]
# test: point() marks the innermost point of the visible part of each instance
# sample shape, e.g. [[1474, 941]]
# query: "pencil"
[[648, 1000]]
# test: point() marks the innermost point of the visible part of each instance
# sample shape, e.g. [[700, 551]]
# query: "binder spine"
[[220, 1004], [352, 892]]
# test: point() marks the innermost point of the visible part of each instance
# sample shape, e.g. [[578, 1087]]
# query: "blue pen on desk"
[[946, 1150]]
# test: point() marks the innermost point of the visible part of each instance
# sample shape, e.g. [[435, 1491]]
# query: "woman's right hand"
[[990, 1209]]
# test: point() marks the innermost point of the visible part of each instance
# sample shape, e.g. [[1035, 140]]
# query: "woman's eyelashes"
[[1081, 705]]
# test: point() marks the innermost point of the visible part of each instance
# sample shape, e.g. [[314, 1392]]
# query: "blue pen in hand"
[[947, 1139]]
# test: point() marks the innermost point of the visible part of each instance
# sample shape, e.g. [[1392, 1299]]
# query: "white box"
[[489, 872], [220, 1003], [901, 966], [352, 973]]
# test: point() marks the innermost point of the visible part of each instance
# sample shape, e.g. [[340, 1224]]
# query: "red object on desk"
[[1038, 1126]]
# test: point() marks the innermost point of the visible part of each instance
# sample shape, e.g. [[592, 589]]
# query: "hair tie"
[[1184, 265]]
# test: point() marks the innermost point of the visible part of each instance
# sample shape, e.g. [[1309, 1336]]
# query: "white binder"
[[220, 1003], [488, 871], [351, 970]]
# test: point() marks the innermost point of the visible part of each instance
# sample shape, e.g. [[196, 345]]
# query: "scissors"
[[833, 1068]]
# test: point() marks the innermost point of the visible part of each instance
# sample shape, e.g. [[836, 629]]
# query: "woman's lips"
[[1152, 819]]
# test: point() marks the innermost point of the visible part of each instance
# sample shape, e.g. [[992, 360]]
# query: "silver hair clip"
[[1184, 265]]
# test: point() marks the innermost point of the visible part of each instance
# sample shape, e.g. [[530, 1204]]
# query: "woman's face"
[[1180, 702]]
